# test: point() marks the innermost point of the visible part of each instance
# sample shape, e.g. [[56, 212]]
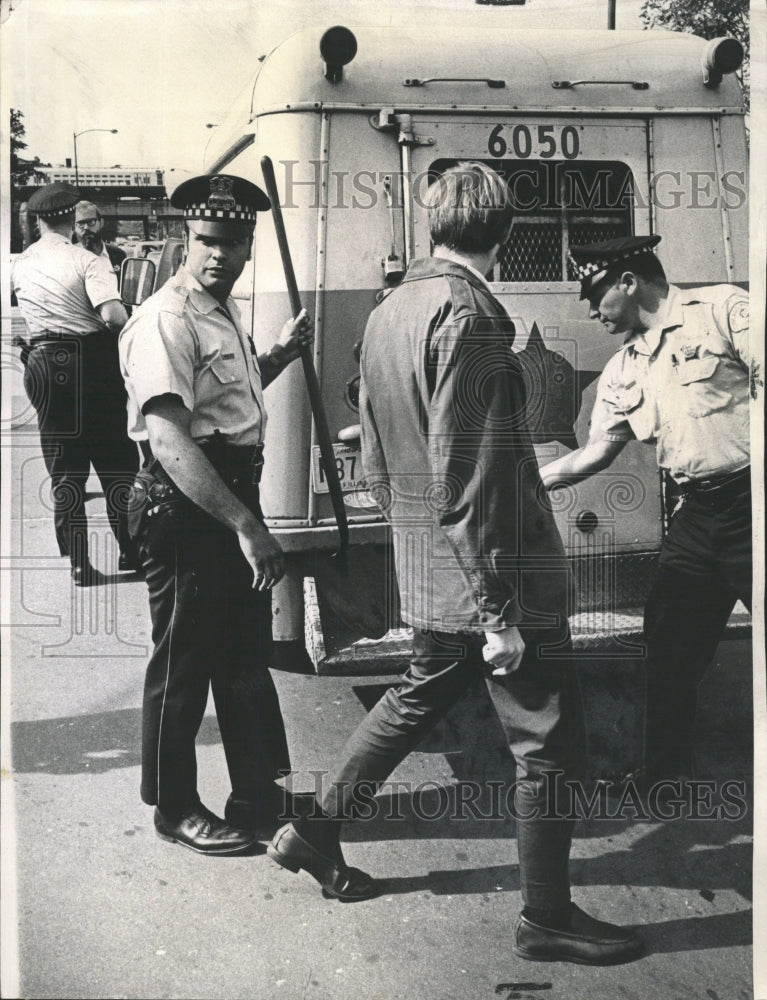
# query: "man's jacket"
[[116, 256], [448, 456]]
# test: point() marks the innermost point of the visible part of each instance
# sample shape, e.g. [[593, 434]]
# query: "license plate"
[[348, 464]]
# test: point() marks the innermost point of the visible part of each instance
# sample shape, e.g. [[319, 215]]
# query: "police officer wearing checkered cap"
[[680, 382], [195, 387], [73, 313]]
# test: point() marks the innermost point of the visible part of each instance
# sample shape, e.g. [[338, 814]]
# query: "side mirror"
[[136, 280]]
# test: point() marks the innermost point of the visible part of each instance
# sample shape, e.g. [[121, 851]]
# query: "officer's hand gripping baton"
[[327, 455]]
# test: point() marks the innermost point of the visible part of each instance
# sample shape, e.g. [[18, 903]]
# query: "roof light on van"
[[722, 55], [338, 47]]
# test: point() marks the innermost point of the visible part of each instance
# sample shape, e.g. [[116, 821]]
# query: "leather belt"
[[53, 338], [236, 464], [719, 492], [730, 480]]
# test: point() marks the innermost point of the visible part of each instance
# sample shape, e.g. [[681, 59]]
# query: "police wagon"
[[599, 134]]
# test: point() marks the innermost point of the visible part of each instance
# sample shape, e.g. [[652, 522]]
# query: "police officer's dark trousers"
[[705, 566], [74, 384], [211, 630], [540, 712]]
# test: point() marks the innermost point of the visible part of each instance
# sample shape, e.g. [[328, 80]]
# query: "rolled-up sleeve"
[[100, 282], [608, 421], [158, 354]]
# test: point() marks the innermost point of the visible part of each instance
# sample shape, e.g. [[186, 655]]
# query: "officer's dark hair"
[[646, 266], [469, 208], [251, 227]]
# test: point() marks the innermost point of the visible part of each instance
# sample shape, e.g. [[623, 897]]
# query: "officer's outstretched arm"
[[581, 463], [168, 423], [113, 313]]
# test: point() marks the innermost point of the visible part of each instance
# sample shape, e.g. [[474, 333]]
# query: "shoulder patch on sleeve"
[[738, 315]]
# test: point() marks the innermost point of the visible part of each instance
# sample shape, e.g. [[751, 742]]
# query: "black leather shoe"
[[200, 830], [338, 880], [87, 576], [585, 940], [263, 812]]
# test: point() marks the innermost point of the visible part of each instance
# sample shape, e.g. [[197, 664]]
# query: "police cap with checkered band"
[[53, 200], [220, 198], [592, 262]]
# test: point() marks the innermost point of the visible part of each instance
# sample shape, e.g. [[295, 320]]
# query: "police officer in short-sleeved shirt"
[[681, 383], [196, 406], [73, 313]]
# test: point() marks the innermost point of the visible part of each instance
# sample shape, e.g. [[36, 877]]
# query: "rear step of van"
[[596, 635]]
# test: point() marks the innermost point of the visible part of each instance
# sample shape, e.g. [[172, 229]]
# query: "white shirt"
[[182, 342], [683, 385], [59, 285]]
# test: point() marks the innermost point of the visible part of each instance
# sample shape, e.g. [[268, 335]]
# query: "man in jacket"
[[482, 574], [680, 381], [88, 226]]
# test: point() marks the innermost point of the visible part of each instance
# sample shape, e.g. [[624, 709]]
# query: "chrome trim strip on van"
[[319, 284], [407, 204], [726, 234], [495, 109], [231, 153], [651, 171]]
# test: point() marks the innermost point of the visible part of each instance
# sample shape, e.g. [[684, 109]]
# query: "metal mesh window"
[[533, 252]]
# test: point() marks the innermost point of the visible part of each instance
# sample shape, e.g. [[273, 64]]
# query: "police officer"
[[70, 303], [196, 405], [680, 381], [88, 226]]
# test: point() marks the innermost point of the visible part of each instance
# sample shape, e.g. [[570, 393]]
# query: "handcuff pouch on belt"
[[151, 489]]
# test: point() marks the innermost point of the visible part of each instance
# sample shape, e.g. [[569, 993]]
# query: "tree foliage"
[[706, 18], [22, 171]]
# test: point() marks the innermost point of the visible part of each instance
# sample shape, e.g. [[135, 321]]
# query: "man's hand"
[[296, 333], [264, 555], [504, 650]]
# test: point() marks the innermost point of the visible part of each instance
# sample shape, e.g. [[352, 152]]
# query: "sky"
[[159, 70]]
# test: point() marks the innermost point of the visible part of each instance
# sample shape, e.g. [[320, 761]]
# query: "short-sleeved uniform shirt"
[[182, 342], [59, 286], [683, 385]]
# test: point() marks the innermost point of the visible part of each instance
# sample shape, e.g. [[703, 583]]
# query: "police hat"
[[220, 197], [52, 200], [592, 262]]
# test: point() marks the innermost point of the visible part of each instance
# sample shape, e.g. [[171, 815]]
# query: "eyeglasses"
[[86, 222]]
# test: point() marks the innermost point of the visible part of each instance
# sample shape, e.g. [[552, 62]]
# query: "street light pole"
[[76, 135]]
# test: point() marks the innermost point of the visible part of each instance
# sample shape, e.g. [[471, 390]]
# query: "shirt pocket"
[[701, 395], [226, 369]]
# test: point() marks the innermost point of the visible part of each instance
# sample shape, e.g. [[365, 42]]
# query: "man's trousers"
[[211, 630], [540, 711], [705, 567], [74, 384]]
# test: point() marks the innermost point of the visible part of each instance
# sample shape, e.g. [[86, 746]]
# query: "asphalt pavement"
[[95, 905]]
